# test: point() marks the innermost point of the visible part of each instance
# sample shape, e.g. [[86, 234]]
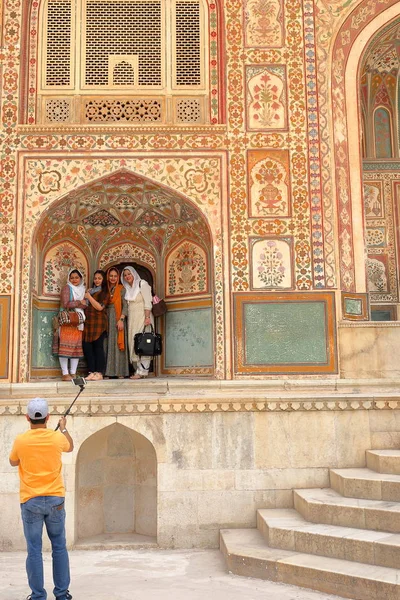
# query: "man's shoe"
[[67, 596]]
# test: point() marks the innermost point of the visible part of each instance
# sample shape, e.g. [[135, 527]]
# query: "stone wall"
[[218, 459]]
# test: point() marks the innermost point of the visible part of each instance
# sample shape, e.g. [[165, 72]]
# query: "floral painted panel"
[[269, 183], [377, 270], [263, 23], [126, 252], [57, 262], [266, 97], [271, 264], [373, 200], [186, 270]]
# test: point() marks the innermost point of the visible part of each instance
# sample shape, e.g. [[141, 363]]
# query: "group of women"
[[107, 317]]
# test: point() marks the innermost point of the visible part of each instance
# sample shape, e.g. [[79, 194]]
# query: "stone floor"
[[148, 575]]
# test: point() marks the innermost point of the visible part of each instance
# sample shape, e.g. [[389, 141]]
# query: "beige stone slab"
[[232, 440], [295, 440], [348, 579], [172, 479], [288, 530], [387, 551], [232, 508], [384, 461], [246, 555], [327, 506], [177, 519], [352, 437], [189, 441], [280, 478], [385, 439], [12, 538], [365, 483], [111, 541]]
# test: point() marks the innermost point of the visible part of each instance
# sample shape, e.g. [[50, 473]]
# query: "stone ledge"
[[162, 396]]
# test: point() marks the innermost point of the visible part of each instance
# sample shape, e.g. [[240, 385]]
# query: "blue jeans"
[[49, 510]]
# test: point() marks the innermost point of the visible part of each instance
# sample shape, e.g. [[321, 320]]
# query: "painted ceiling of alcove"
[[125, 205]]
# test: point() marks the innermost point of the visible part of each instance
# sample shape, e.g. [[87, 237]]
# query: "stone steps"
[[286, 529], [247, 554], [343, 540], [328, 507], [384, 461], [367, 484]]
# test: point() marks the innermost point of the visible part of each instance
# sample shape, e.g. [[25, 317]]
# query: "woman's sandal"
[[136, 376]]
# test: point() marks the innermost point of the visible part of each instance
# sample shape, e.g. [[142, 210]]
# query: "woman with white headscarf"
[[70, 343], [139, 297]]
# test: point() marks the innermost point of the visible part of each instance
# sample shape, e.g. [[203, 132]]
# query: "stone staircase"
[[344, 540]]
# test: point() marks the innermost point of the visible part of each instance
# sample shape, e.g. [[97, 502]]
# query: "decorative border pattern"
[[5, 316], [119, 408]]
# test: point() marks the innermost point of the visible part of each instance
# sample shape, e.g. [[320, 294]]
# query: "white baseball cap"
[[37, 408]]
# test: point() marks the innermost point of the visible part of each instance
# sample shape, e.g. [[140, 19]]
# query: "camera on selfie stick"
[[81, 382]]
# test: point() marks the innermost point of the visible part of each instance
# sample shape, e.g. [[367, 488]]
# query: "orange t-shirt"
[[39, 454]]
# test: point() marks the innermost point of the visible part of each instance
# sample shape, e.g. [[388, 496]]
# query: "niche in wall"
[[116, 484]]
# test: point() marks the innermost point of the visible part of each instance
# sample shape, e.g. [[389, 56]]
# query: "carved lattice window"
[[148, 55], [188, 38], [58, 46], [125, 28]]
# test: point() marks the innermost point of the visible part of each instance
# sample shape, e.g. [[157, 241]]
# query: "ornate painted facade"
[[251, 164]]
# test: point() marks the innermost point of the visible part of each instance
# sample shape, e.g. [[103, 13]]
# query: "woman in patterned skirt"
[[117, 311], [70, 341]]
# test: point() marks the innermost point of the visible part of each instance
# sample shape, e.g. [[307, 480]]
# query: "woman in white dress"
[[139, 297]]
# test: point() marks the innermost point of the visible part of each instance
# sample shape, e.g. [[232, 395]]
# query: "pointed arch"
[[351, 40]]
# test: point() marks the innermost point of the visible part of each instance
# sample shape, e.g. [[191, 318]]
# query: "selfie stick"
[[82, 387]]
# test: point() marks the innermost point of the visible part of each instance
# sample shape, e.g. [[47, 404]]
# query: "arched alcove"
[[352, 39], [125, 218], [116, 486]]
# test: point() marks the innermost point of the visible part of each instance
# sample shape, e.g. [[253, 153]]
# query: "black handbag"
[[148, 343]]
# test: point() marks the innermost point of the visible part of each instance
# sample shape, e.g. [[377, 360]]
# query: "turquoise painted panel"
[[285, 333], [42, 339], [188, 338]]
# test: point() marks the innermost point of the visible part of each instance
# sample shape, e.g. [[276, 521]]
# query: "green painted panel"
[[188, 338], [285, 333], [42, 339]]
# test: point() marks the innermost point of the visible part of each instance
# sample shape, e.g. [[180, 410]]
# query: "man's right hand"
[[63, 423]]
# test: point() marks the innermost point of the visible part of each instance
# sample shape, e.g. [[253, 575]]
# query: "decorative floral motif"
[[271, 264], [373, 203], [187, 270], [126, 252], [57, 262], [269, 185], [263, 23], [266, 88], [49, 181], [377, 278]]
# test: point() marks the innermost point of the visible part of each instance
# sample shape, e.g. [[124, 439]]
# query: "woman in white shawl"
[[138, 295], [70, 344]]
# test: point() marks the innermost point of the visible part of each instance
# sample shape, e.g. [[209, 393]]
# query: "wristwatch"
[[63, 431]]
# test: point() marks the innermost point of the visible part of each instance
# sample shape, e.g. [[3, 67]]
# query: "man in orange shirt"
[[37, 453]]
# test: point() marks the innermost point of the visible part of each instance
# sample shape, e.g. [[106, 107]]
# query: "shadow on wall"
[[116, 484]]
